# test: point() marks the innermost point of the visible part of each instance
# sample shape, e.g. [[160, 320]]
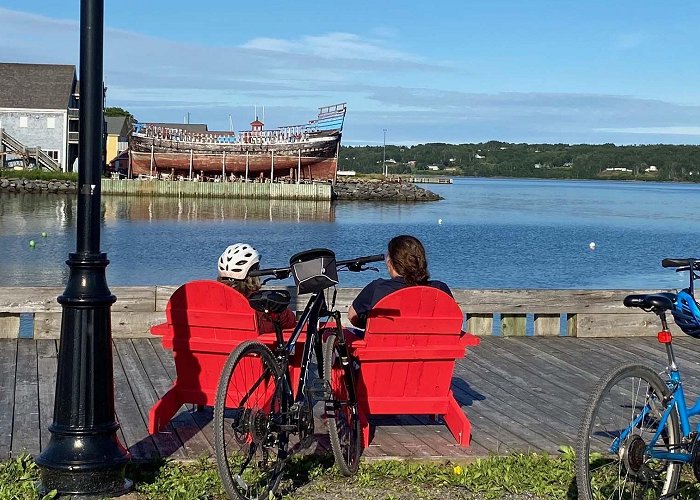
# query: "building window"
[[51, 122], [52, 153], [23, 121]]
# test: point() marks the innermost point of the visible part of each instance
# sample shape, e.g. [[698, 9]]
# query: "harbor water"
[[486, 233]]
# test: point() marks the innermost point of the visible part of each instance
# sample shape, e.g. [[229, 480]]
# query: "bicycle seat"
[[270, 301], [660, 301]]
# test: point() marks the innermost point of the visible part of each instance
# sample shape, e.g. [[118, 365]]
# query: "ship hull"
[[315, 158]]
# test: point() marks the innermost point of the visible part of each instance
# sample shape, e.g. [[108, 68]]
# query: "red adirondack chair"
[[206, 321], [407, 358]]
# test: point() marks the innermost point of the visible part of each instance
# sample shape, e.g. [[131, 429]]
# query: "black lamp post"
[[84, 455]]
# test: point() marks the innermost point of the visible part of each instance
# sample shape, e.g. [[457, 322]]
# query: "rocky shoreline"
[[350, 189], [377, 190], [14, 185]]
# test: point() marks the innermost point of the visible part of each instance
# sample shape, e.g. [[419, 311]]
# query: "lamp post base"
[[84, 456]]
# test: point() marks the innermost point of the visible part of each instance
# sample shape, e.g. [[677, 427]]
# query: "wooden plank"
[[9, 325], [547, 324], [487, 414], [544, 364], [513, 324], [18, 299], [480, 324], [163, 294], [529, 416], [616, 325], [167, 442], [25, 427], [8, 367], [185, 426], [528, 383], [47, 366], [385, 438], [543, 301], [437, 438], [47, 325], [133, 426]]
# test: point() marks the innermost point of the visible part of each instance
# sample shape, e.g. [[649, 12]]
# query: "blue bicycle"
[[636, 435]]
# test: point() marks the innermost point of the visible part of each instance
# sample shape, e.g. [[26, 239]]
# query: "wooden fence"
[[135, 187], [33, 311]]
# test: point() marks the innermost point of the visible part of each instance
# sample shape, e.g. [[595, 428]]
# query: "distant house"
[[39, 109], [433, 167], [118, 130], [479, 157], [346, 173], [651, 168]]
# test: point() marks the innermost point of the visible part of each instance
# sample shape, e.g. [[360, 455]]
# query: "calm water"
[[494, 233]]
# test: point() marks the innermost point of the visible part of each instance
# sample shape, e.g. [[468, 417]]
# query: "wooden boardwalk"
[[524, 393]]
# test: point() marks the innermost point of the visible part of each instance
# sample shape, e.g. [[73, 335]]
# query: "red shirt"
[[287, 318]]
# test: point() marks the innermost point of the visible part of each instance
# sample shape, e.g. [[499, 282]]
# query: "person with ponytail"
[[407, 266]]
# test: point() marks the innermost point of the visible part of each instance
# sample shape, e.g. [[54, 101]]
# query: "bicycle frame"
[[309, 317], [676, 401]]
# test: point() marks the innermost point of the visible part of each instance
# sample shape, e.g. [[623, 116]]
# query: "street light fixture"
[[84, 455], [386, 174]]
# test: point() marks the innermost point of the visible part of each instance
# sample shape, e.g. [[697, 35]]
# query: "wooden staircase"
[[41, 159]]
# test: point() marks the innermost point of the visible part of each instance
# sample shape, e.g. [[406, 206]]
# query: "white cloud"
[[335, 46], [678, 130]]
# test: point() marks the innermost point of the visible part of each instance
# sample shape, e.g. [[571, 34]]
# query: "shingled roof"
[[117, 125], [36, 86]]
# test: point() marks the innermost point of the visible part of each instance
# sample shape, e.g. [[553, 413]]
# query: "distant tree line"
[[563, 161]]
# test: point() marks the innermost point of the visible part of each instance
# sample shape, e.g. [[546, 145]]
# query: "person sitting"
[[407, 266], [233, 268]]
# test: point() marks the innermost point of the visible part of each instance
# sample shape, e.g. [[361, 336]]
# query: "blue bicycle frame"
[[674, 402]]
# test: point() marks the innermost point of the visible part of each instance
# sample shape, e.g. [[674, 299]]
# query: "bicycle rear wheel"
[[614, 445], [250, 407], [342, 410]]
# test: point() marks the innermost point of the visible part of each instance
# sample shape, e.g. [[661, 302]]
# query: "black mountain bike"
[[259, 422]]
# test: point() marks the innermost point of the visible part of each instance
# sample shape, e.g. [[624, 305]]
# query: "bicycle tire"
[[637, 473], [344, 419], [250, 454]]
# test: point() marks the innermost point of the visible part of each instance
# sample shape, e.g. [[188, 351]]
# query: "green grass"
[[38, 175], [532, 476]]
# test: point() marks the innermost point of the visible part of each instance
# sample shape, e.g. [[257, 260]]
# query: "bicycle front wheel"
[[249, 414], [341, 409], [616, 456]]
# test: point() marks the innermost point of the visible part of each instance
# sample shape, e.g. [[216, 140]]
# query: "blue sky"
[[619, 71]]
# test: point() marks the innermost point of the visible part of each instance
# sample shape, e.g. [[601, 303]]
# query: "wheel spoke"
[[343, 423], [621, 419], [249, 445]]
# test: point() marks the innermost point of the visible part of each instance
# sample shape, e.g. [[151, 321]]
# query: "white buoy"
[[591, 245], [31, 243], [439, 221], [44, 235]]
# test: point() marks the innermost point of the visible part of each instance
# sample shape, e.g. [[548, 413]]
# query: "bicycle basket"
[[314, 270], [686, 313]]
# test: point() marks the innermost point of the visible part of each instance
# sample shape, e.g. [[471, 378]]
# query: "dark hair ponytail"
[[408, 258]]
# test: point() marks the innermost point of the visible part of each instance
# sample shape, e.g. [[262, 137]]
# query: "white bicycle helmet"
[[237, 260]]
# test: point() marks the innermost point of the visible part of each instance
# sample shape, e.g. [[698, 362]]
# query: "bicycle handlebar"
[[354, 265]]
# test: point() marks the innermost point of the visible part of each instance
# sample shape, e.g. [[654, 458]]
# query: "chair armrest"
[[161, 329], [467, 339]]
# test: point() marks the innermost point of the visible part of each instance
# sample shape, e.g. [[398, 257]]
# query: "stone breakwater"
[[36, 186], [370, 189], [352, 189]]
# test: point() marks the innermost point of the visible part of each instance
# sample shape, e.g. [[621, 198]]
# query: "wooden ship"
[[291, 153]]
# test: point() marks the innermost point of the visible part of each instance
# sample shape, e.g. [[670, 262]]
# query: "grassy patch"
[[518, 476], [39, 175]]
